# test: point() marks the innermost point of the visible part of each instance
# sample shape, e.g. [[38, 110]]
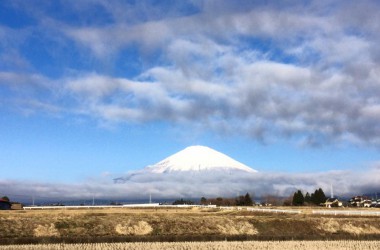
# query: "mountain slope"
[[198, 158]]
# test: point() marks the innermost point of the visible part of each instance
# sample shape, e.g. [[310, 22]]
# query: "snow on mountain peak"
[[198, 158]]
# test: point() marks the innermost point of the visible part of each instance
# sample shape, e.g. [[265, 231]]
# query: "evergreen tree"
[[298, 198], [295, 198], [312, 198], [203, 200], [244, 200], [318, 197], [248, 200], [307, 197]]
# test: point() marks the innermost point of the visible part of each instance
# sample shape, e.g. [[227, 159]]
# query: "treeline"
[[242, 200], [183, 202], [298, 199], [315, 198]]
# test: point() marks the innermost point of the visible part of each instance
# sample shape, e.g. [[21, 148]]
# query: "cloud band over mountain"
[[181, 185]]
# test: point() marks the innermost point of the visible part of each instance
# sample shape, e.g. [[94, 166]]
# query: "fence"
[[277, 211], [346, 212], [228, 208], [148, 205], [66, 207]]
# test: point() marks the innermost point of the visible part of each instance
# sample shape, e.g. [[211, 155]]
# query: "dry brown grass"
[[131, 228], [275, 245], [162, 224]]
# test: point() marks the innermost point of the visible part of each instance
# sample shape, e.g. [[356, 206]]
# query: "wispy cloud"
[[306, 71]]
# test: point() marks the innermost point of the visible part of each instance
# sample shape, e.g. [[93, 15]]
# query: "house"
[[360, 201], [367, 203], [16, 206], [5, 205], [333, 202]]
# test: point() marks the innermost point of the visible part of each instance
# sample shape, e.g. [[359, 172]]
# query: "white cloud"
[[139, 184], [264, 71]]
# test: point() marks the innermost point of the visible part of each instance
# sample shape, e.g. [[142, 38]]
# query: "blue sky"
[[95, 89]]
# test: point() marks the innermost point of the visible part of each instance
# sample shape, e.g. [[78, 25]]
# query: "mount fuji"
[[199, 171], [192, 162], [198, 158]]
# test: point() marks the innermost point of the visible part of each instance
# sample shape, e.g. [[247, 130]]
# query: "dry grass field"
[[183, 224], [222, 245]]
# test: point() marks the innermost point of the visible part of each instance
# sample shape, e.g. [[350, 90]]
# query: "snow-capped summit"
[[198, 158]]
